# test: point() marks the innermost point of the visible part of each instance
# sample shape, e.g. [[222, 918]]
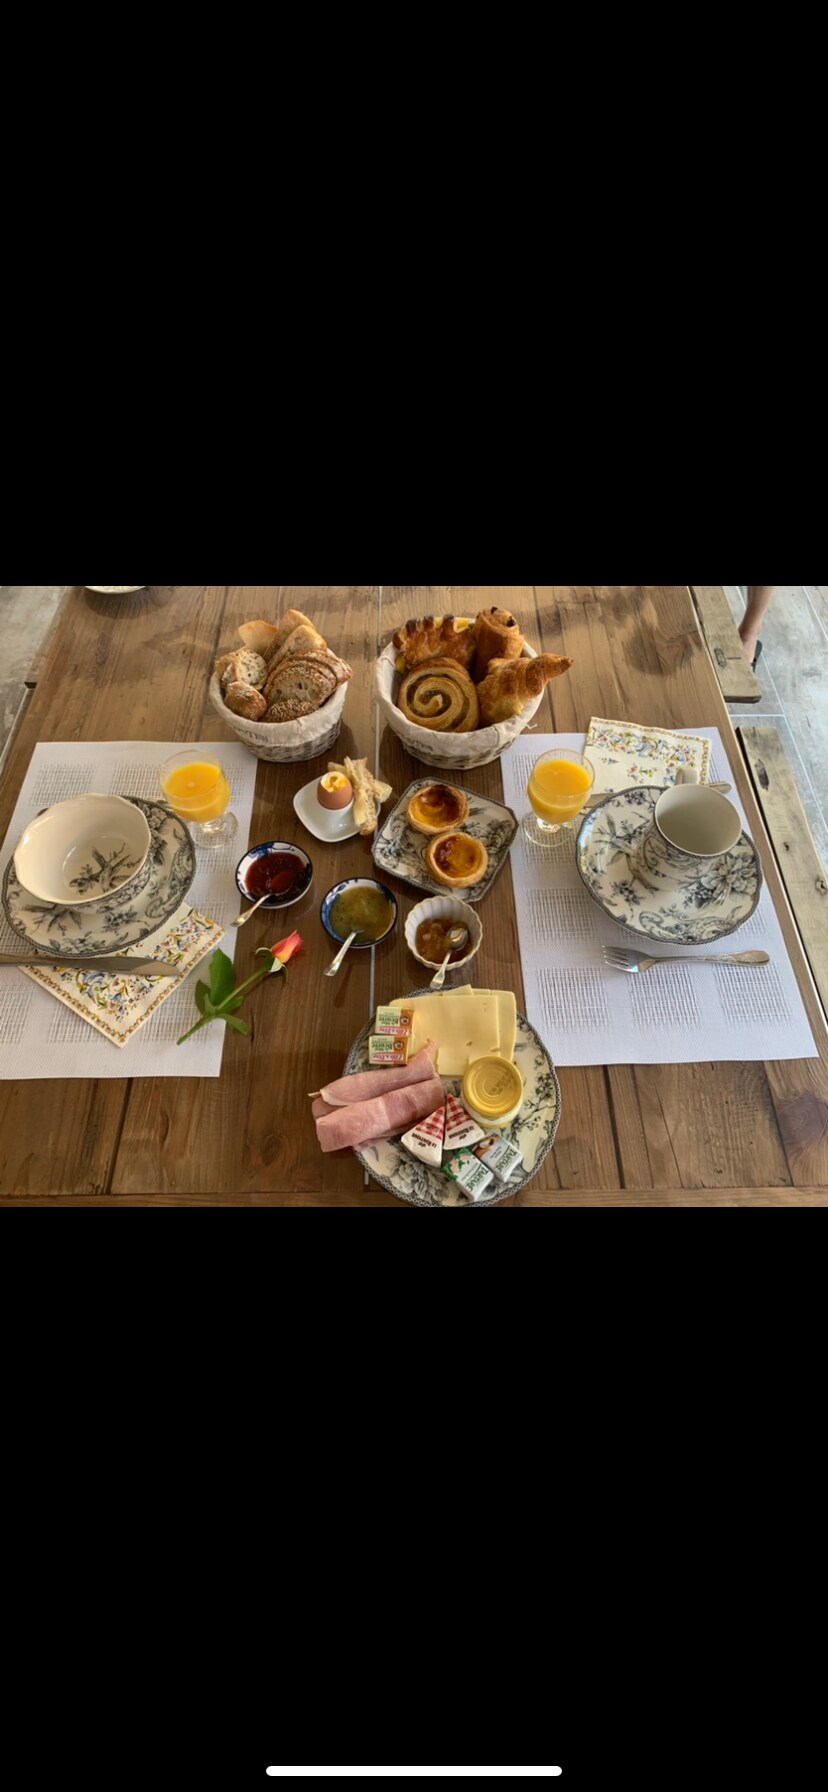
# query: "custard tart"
[[437, 808], [457, 860]]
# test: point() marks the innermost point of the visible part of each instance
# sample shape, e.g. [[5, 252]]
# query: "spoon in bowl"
[[279, 885], [457, 937], [333, 968]]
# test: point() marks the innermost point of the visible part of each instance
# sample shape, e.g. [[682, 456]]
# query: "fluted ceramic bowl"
[[454, 914]]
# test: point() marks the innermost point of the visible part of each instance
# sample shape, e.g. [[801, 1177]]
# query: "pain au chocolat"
[[457, 860], [438, 807]]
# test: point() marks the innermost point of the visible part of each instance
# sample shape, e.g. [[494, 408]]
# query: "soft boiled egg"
[[334, 792]]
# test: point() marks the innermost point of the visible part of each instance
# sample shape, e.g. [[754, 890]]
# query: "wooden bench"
[[803, 874], [738, 683]]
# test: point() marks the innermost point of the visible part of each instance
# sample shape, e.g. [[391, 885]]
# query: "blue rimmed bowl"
[[246, 864], [358, 883]]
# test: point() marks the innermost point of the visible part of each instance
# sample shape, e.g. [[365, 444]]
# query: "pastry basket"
[[450, 752], [285, 743]]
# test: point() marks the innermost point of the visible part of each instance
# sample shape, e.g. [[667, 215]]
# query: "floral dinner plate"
[[720, 900], [124, 919], [533, 1132]]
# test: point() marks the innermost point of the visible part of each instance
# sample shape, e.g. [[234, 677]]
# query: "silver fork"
[[620, 960]]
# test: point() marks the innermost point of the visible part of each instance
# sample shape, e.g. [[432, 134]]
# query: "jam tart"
[[456, 860], [437, 808]]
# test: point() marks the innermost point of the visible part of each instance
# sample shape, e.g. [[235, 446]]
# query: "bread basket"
[[286, 743], [451, 752]]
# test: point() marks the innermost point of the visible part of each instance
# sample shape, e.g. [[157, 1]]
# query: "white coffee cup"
[[692, 827]]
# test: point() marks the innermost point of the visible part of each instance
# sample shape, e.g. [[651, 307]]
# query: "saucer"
[[716, 904], [325, 824], [124, 919]]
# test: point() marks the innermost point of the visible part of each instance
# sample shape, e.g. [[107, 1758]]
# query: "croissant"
[[498, 638], [436, 638], [511, 684], [440, 696]]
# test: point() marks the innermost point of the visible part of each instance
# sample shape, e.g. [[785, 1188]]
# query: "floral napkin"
[[625, 753], [118, 1005]]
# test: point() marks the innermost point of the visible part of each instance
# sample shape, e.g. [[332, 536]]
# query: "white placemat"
[[40, 1036], [588, 1014]]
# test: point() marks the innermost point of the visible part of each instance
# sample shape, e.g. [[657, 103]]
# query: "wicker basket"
[[450, 752], [287, 743]]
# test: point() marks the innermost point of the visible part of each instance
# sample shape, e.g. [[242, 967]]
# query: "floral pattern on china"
[[708, 907], [124, 919], [533, 1132], [400, 850]]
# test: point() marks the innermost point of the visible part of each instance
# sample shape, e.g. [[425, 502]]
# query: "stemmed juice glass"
[[558, 788], [197, 789]]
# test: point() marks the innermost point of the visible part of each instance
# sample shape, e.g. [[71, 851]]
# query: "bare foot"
[[750, 641]]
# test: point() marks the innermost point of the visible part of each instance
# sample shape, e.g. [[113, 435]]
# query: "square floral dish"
[[400, 851]]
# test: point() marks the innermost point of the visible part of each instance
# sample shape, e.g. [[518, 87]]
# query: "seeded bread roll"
[[244, 701], [290, 712]]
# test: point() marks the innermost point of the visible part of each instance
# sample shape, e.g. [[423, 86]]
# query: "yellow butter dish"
[[493, 1092]]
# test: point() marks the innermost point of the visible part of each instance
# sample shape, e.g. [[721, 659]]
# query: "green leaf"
[[232, 1005], [239, 1026], [222, 978], [202, 996]]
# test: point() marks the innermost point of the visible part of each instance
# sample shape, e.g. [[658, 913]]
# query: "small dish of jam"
[[277, 870]]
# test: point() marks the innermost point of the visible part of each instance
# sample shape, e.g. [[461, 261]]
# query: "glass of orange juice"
[[558, 789], [196, 788]]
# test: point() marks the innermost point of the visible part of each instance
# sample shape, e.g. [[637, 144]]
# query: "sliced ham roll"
[[369, 1084], [384, 1116]]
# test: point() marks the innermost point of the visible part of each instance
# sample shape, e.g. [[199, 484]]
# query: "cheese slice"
[[464, 1024]]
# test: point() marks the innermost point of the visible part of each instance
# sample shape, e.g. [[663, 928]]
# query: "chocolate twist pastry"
[[440, 696], [498, 638]]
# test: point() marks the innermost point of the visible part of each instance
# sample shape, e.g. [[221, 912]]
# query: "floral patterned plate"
[[400, 850], [719, 901], [117, 921], [533, 1132]]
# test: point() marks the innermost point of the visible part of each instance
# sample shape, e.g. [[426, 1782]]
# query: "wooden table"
[[138, 667]]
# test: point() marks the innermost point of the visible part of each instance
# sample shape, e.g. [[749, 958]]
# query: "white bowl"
[[449, 752], [83, 850], [456, 914]]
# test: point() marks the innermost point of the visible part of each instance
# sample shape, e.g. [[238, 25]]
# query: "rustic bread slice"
[[301, 640], [260, 637], [292, 619], [301, 680]]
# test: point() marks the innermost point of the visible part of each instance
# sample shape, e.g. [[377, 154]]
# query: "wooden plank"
[[738, 682], [529, 1197], [250, 1135], [584, 1153], [802, 870], [639, 656], [42, 657], [118, 668]]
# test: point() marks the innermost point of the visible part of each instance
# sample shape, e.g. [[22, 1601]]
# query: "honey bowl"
[[446, 911]]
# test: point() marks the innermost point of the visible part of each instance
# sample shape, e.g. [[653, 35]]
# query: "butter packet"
[[425, 1140], [394, 1020], [461, 1130], [389, 1052], [500, 1156], [469, 1175]]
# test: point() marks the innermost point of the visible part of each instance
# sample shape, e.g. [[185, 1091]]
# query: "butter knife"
[[128, 967]]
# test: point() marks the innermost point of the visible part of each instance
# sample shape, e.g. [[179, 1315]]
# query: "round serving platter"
[[533, 1133], [717, 903], [125, 919]]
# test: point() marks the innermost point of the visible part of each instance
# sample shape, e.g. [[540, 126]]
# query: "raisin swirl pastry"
[[440, 696]]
